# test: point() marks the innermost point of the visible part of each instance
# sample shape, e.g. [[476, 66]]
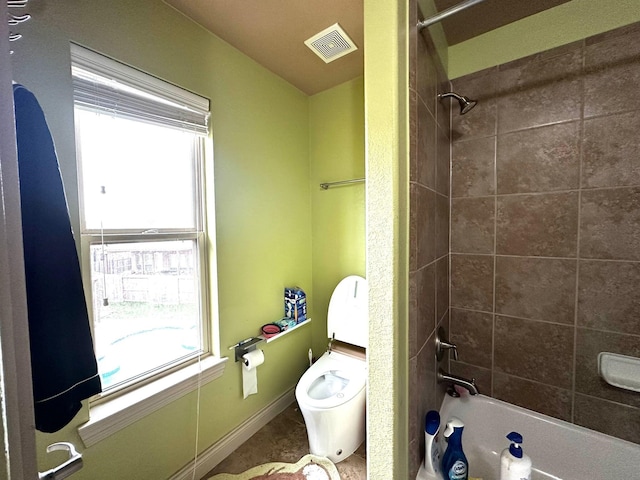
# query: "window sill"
[[111, 416]]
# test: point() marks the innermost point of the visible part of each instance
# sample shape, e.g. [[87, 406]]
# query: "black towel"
[[63, 362]]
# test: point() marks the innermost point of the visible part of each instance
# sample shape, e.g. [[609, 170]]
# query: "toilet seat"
[[332, 381]]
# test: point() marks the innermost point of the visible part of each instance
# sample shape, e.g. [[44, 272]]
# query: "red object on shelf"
[[270, 329]]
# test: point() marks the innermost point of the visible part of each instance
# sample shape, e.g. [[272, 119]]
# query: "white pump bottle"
[[514, 464]]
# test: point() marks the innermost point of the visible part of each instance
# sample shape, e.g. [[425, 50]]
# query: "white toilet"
[[331, 393]]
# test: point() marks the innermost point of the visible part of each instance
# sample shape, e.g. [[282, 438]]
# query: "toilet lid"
[[348, 317]]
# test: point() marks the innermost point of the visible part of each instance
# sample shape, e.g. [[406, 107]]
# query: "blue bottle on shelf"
[[454, 462]]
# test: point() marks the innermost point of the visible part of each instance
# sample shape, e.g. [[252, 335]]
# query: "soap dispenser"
[[514, 463], [454, 462], [431, 444]]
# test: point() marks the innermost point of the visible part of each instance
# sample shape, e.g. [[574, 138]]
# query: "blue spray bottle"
[[454, 463]]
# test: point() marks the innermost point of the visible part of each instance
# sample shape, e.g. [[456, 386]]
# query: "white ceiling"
[[272, 32]]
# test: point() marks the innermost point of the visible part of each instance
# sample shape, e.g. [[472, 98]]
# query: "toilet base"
[[328, 433]]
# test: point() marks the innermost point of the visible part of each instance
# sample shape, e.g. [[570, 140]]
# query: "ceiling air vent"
[[331, 43]]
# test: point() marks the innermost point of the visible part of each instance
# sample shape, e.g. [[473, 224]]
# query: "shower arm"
[[447, 13], [450, 94]]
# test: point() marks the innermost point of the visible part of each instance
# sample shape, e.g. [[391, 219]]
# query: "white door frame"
[[16, 395]]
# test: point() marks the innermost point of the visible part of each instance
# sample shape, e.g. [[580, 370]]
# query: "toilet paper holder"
[[245, 346]]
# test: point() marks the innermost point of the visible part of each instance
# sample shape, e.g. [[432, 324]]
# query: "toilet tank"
[[348, 318]]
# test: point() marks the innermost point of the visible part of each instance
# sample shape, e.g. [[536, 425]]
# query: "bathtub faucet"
[[470, 385]]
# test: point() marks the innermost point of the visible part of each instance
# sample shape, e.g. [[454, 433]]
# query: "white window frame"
[[123, 406]]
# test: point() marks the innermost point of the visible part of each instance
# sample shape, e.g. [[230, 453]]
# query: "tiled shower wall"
[[545, 229], [429, 230]]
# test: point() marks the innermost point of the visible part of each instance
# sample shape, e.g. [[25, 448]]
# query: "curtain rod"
[[326, 186], [448, 12]]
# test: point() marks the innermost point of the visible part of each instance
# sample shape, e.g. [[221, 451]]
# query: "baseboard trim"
[[220, 450]]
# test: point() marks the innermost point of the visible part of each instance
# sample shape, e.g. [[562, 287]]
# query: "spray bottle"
[[454, 462]]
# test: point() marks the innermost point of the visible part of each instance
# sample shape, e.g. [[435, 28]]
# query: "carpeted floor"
[[284, 439]]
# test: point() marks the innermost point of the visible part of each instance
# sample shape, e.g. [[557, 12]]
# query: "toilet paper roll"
[[250, 363]]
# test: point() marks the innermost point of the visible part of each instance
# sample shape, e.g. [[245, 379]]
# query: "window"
[[140, 145]]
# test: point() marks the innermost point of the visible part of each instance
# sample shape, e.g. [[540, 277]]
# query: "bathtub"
[[559, 450]]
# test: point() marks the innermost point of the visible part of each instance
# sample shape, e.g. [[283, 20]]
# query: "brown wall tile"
[[426, 384], [473, 224], [414, 402], [479, 122], [425, 225], [482, 376], [472, 282], [607, 417], [473, 333], [413, 313], [534, 350], [606, 90], [442, 225], [444, 108], [473, 168], [443, 161], [442, 287], [589, 344], [539, 160], [413, 136], [540, 92], [612, 75], [631, 33], [609, 297], [611, 151], [558, 132], [539, 225], [413, 226], [426, 288], [426, 78], [536, 288], [416, 453], [426, 154], [428, 235], [535, 396], [610, 224]]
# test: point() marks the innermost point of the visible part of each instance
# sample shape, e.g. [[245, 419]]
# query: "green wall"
[[557, 26], [336, 152], [262, 199]]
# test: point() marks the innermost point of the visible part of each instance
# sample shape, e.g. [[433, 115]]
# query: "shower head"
[[466, 103]]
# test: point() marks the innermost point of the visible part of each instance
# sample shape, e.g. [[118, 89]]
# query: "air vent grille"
[[331, 43]]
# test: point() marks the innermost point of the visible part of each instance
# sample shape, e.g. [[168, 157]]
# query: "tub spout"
[[470, 385]]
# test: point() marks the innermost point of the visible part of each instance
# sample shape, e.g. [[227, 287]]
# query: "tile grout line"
[[548, 322], [577, 277], [551, 192], [495, 249]]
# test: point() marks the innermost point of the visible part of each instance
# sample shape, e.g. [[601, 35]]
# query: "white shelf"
[[288, 330]]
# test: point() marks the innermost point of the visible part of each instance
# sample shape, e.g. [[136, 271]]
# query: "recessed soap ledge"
[[288, 330], [620, 371]]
